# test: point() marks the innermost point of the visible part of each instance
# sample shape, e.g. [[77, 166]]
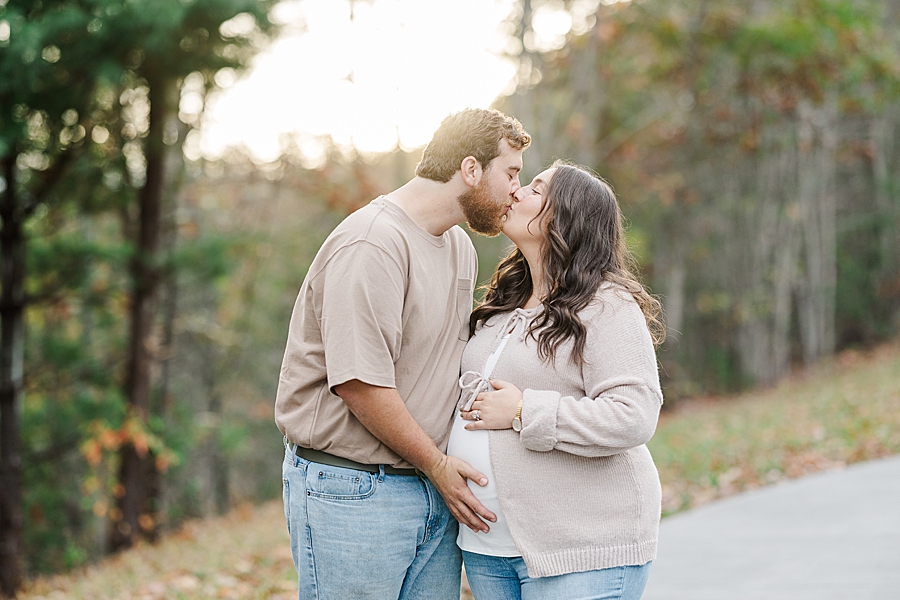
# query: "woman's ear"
[[471, 171]]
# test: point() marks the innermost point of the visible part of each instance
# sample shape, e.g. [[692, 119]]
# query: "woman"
[[560, 395]]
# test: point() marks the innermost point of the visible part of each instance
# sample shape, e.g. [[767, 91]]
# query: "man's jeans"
[[360, 535]]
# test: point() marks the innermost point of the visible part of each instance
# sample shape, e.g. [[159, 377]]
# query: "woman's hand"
[[494, 410]]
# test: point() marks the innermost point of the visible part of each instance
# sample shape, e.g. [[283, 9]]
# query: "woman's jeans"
[[362, 535], [501, 578]]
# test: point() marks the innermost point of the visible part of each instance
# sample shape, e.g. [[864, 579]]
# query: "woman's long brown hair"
[[584, 246]]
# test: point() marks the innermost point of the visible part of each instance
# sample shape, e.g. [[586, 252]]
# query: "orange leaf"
[[92, 452]]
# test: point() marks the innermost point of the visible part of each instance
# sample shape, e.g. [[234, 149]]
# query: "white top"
[[473, 447]]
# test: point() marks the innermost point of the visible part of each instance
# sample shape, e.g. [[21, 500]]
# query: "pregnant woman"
[[560, 393]]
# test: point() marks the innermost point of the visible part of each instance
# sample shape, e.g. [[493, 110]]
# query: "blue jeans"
[[500, 578], [358, 535]]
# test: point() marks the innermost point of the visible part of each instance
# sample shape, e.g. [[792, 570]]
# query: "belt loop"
[[292, 448], [380, 473]]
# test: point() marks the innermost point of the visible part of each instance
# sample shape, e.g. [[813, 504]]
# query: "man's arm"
[[383, 413]]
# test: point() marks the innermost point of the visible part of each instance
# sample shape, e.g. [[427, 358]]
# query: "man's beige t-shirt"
[[386, 303]]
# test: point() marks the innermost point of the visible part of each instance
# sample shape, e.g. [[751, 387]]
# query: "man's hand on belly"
[[449, 476], [383, 413]]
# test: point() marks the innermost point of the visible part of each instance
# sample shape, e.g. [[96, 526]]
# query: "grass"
[[844, 410], [245, 555]]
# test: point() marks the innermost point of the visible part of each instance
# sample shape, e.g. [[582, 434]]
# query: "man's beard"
[[482, 212]]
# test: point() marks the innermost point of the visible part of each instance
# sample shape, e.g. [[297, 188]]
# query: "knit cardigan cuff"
[[539, 411]]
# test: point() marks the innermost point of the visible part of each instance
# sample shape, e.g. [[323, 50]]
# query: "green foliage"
[[73, 360], [60, 486], [810, 47], [207, 258], [76, 82]]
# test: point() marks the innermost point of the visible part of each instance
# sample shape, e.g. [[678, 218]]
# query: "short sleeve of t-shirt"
[[359, 303]]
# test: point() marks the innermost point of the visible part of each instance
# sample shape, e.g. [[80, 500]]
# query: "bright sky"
[[386, 73]]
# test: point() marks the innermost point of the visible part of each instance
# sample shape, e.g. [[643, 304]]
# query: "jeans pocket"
[[336, 483]]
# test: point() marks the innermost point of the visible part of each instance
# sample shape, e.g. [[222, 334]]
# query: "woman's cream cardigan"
[[578, 486]]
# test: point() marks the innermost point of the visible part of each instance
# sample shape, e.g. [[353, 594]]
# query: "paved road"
[[829, 536]]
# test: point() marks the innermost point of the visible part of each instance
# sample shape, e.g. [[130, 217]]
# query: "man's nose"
[[515, 186], [515, 194]]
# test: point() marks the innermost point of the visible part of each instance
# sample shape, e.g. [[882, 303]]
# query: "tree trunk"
[[674, 277], [816, 180], [884, 133], [763, 257], [12, 330], [136, 470], [751, 261], [785, 275], [783, 253], [218, 460]]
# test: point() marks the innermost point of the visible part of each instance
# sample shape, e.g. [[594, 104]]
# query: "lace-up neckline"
[[473, 382]]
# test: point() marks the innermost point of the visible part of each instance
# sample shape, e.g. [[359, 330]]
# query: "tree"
[[165, 43], [64, 64], [739, 135], [48, 71]]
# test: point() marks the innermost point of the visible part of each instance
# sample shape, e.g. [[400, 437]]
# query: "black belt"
[[317, 456]]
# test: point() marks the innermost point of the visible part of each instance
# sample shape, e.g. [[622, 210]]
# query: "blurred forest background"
[[754, 145]]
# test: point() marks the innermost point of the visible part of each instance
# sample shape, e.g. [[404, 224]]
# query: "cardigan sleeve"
[[622, 398]]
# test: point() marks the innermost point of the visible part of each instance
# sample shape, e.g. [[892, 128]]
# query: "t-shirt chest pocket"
[[464, 289]]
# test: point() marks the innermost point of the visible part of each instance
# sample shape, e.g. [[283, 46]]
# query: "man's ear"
[[471, 171]]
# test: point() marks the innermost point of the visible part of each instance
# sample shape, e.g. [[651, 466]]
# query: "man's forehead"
[[510, 158]]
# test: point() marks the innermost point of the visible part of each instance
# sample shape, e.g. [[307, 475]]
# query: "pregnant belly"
[[472, 447]]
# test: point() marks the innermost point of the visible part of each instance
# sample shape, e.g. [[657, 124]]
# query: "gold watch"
[[517, 420]]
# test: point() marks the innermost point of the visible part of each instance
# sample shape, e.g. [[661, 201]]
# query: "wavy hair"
[[584, 246]]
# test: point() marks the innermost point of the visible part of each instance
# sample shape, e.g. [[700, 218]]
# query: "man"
[[368, 384]]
